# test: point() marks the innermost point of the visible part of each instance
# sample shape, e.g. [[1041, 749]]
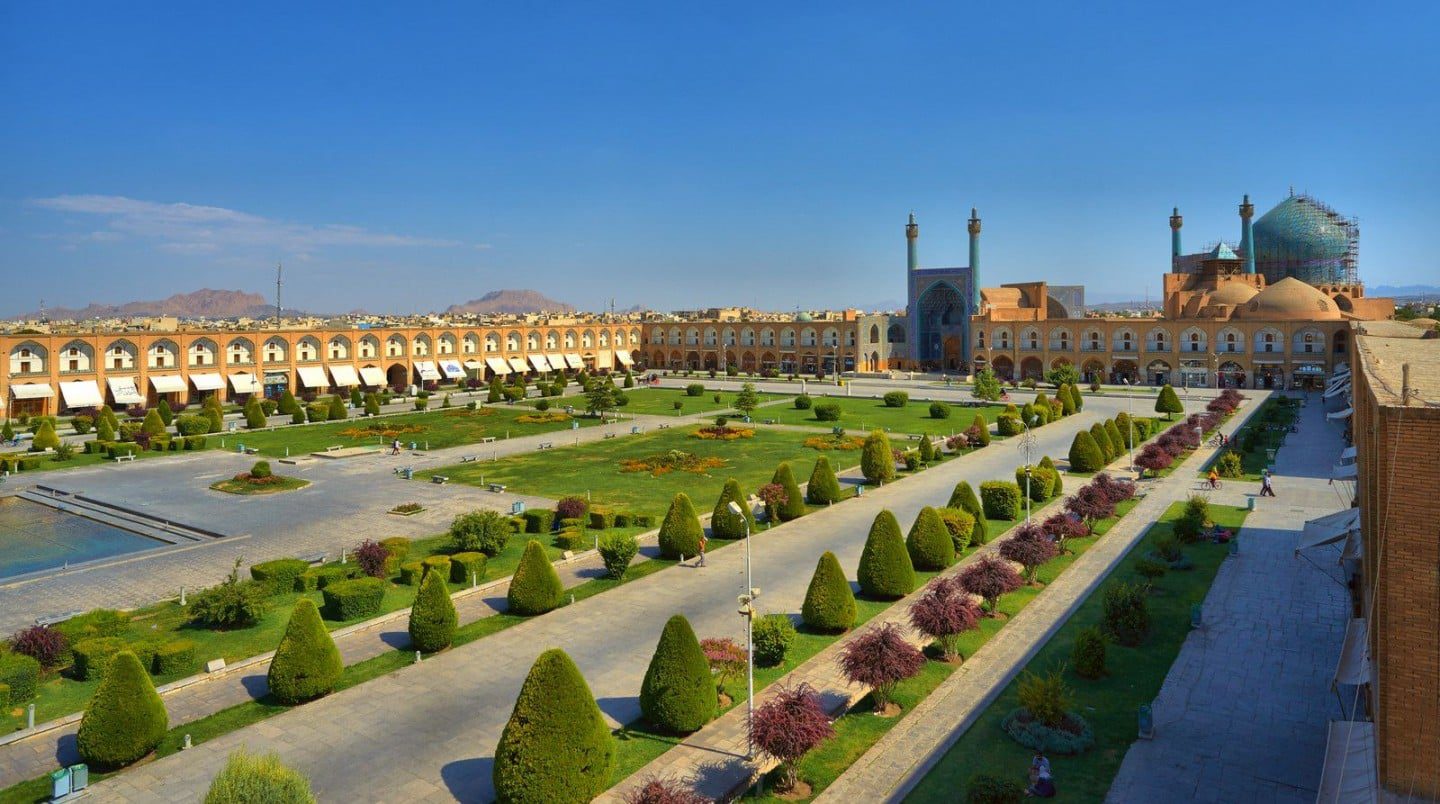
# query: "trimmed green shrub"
[[1122, 426], [1102, 440], [1057, 483], [680, 533], [103, 432], [829, 604], [1009, 425], [896, 399], [153, 425], [824, 486], [437, 564], [678, 695], [280, 574], [21, 674], [307, 664], [1000, 500], [794, 506], [877, 458], [45, 437], [725, 524], [485, 531], [556, 746], [411, 572], [1085, 454], [1042, 482], [929, 543], [960, 525], [939, 410], [335, 411], [981, 428], [1168, 402], [803, 402], [249, 779], [535, 587], [92, 656], [173, 658], [432, 615], [354, 599], [1116, 442], [166, 414], [1066, 395], [1229, 464], [254, 414], [771, 636], [963, 497], [617, 550], [321, 577], [885, 572], [602, 520], [827, 412], [1088, 654], [539, 520], [188, 424], [926, 452], [465, 566], [125, 718], [1126, 611]]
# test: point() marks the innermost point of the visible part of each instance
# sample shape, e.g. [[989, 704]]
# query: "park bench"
[[251, 450], [488, 440], [400, 470], [469, 458], [129, 456], [664, 427], [334, 448], [768, 421], [914, 437], [314, 558], [439, 480], [497, 488], [546, 445], [609, 435], [56, 619]]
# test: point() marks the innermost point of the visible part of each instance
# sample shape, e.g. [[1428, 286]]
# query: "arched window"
[[275, 350], [369, 346], [202, 352], [338, 348], [239, 352], [162, 354], [874, 333]]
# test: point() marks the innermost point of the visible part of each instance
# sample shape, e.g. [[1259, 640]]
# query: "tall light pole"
[[1027, 444], [747, 610], [1129, 423]]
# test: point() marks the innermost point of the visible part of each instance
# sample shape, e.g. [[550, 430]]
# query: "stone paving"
[[1243, 712], [433, 727]]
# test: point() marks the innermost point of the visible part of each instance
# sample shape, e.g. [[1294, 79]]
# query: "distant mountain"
[[512, 302], [1428, 291], [204, 303], [1121, 306]]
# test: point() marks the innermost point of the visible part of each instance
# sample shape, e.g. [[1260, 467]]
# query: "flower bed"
[[407, 509], [675, 460], [723, 433], [1073, 736], [247, 484], [837, 442], [548, 417], [380, 430]]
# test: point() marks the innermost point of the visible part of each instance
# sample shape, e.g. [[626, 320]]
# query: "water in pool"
[[34, 537]]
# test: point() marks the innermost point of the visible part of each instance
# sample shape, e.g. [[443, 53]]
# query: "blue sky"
[[403, 157]]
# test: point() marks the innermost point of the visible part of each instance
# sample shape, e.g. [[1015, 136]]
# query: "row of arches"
[[1193, 373], [1229, 340], [713, 337], [756, 361]]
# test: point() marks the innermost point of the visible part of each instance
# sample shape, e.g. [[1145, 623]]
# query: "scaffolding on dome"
[[1305, 238]]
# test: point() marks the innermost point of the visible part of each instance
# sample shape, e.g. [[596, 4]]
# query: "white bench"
[[546, 445], [497, 488], [334, 448], [487, 440], [469, 458], [609, 435], [129, 456], [439, 480]]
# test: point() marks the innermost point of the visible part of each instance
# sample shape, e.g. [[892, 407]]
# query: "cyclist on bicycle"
[[1213, 478]]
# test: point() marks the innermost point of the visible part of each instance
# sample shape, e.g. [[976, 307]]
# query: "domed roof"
[[1232, 293], [804, 318], [1289, 300], [1301, 232]]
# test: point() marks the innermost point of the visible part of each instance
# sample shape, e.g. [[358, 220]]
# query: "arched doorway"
[[397, 376], [1125, 371], [1232, 375], [1158, 372], [1032, 369], [941, 313], [1004, 367], [1093, 370]]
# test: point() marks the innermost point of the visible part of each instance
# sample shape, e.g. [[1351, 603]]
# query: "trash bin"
[[1250, 503], [79, 777], [1147, 722], [60, 783], [407, 473]]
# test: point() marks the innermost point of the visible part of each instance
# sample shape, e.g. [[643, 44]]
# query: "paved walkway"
[[433, 727], [1242, 714]]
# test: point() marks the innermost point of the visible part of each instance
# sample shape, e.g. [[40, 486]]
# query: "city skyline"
[[588, 155]]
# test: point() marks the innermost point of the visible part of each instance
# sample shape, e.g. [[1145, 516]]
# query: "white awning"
[[123, 391], [344, 376], [623, 355], [1342, 370], [517, 365], [473, 364], [1348, 776], [167, 383], [240, 382], [573, 360], [1347, 454], [1354, 666], [540, 363], [557, 362], [1343, 471], [372, 376], [452, 369], [81, 394], [498, 365], [313, 377], [427, 370], [1328, 529], [1340, 414], [207, 381], [1342, 388]]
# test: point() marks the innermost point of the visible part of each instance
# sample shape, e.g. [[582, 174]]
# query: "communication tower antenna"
[[279, 281], [43, 317]]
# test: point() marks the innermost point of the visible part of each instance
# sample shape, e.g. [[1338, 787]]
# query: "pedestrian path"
[[708, 758]]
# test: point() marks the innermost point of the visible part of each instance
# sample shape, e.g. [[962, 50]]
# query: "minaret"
[[1175, 223], [1247, 234], [974, 228], [912, 254]]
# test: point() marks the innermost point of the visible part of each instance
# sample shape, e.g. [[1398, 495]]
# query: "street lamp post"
[[747, 610], [1027, 444], [1129, 423]]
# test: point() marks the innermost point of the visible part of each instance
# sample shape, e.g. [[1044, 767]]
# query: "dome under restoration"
[[1303, 238]]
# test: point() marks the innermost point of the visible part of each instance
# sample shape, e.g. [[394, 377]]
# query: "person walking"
[[1266, 489], [395, 447], [700, 559]]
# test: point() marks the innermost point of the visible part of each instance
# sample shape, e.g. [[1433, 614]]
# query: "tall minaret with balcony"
[[973, 225], [1175, 223], [1247, 234], [912, 251]]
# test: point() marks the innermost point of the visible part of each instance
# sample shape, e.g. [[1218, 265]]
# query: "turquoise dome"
[[1302, 238]]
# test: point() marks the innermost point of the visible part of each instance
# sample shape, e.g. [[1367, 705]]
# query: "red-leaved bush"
[[1155, 458], [1117, 491], [725, 657], [1090, 503], [943, 613], [880, 658], [1029, 547], [571, 508], [41, 643], [789, 725], [372, 557], [1063, 526], [660, 790], [990, 577]]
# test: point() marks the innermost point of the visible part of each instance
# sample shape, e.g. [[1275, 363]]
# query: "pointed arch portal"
[[942, 314]]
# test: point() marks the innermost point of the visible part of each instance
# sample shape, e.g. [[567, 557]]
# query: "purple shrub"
[[1029, 547], [943, 613], [880, 658], [373, 558], [41, 643], [990, 577], [789, 725], [571, 507]]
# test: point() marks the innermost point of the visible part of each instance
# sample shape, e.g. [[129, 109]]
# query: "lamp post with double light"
[[1027, 445], [747, 610]]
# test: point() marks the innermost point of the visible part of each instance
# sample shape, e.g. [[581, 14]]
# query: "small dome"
[[1289, 300], [1232, 293], [804, 318]]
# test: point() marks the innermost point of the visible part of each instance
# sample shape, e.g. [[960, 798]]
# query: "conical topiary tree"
[[877, 459], [680, 532], [307, 664], [829, 604], [535, 587], [1076, 397], [963, 497], [108, 414], [1085, 454], [824, 487], [287, 404], [250, 778], [1124, 426], [927, 449], [726, 524], [1113, 433], [929, 544], [1102, 440], [432, 615], [103, 431], [45, 437], [794, 506], [125, 718], [153, 424], [217, 418], [1168, 403], [981, 428], [678, 694], [337, 409], [254, 415], [885, 570], [1067, 402], [556, 745], [1058, 485], [166, 414]]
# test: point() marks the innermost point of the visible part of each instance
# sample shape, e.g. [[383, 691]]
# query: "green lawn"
[[1255, 459], [595, 468], [661, 401], [437, 429], [858, 414], [275, 484], [1109, 704]]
